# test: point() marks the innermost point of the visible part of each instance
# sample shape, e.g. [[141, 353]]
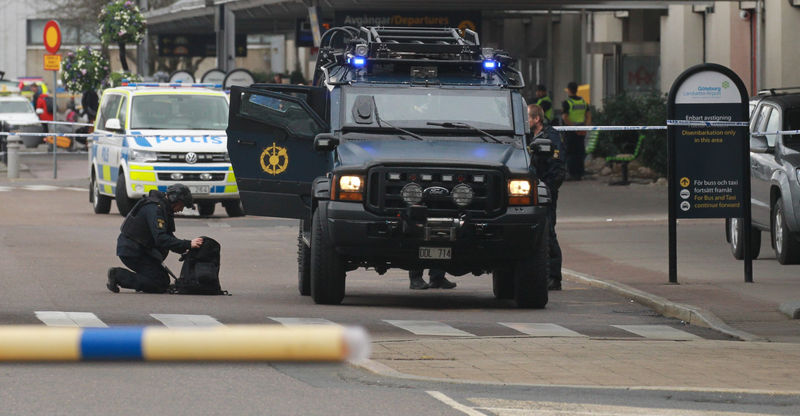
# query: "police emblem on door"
[[274, 159], [191, 157]]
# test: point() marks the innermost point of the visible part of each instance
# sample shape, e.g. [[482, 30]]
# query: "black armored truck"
[[409, 151]]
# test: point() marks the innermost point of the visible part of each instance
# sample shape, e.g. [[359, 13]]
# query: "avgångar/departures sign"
[[707, 119]]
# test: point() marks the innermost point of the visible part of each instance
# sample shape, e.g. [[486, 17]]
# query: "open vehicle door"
[[271, 132]]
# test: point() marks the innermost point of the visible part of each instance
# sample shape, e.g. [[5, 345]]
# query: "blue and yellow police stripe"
[[228, 343]]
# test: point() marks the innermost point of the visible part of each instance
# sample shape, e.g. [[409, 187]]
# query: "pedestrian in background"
[[575, 113], [550, 169], [543, 100], [36, 93], [435, 277]]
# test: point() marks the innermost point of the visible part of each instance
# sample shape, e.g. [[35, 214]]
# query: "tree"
[[121, 22]]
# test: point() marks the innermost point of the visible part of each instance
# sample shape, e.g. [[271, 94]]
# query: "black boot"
[[111, 283], [417, 283], [441, 283]]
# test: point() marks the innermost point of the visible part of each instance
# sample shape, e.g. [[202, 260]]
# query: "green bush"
[[649, 109]]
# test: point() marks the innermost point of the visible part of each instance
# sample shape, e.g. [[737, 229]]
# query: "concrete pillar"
[[681, 43], [225, 26], [12, 147], [781, 53]]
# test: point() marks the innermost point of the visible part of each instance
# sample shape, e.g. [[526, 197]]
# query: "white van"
[[150, 136]]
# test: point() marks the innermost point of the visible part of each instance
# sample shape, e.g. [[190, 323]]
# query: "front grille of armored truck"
[[385, 187]]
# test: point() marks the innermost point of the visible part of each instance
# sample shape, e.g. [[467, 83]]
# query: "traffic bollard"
[[13, 143]]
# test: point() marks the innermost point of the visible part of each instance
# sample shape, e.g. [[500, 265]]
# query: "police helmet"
[[180, 193]]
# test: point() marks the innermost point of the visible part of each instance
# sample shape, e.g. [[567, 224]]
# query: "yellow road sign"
[[52, 62]]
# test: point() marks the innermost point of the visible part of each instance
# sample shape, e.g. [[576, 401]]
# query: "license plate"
[[435, 253], [200, 189]]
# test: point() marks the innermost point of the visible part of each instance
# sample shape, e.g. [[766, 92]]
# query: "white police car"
[[150, 136]]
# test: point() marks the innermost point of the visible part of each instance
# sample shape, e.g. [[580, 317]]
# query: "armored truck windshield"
[[416, 107]]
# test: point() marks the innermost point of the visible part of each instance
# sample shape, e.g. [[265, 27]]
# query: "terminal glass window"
[[183, 112], [414, 107]]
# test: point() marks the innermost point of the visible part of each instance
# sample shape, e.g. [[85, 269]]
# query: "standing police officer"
[[550, 169], [575, 113], [146, 238], [543, 100]]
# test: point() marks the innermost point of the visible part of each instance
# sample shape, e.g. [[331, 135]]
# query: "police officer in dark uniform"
[[435, 276], [145, 239], [550, 169]]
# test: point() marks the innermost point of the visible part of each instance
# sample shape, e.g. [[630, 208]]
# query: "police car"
[[150, 136]]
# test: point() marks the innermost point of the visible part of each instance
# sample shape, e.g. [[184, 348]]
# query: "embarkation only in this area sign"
[[709, 152]]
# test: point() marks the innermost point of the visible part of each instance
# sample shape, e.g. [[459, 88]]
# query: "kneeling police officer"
[[145, 239]]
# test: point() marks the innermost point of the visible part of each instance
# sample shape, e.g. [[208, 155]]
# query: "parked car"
[[18, 115], [774, 177]]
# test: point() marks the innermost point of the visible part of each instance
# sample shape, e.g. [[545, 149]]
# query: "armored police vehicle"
[[408, 152], [150, 136]]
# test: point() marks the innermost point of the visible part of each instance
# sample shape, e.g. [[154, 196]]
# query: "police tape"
[[97, 136], [608, 128], [67, 123], [710, 123]]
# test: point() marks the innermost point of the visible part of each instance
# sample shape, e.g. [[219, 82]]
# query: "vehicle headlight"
[[519, 187], [143, 156], [462, 195], [411, 193], [350, 183]]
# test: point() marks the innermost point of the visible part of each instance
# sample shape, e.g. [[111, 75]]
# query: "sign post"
[[52, 62], [709, 153]]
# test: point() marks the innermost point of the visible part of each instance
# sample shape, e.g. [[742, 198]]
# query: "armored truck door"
[[270, 142]]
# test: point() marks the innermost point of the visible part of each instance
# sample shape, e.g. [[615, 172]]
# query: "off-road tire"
[[327, 267], [787, 249], [124, 204], [206, 208], [303, 264], [233, 208], [100, 203], [736, 238], [530, 274], [503, 284]]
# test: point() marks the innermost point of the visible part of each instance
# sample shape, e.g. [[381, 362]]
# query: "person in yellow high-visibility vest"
[[575, 113], [543, 100]]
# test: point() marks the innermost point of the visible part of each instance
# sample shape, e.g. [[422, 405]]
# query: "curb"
[[687, 313], [790, 309], [230, 343]]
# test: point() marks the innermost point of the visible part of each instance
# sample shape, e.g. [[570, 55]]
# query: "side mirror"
[[325, 142], [113, 124], [758, 143], [39, 111], [541, 146]]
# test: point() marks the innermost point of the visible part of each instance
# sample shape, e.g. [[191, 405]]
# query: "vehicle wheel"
[[736, 233], [206, 208], [100, 203], [124, 204], [327, 267], [503, 284], [787, 250], [233, 208], [303, 264], [530, 275]]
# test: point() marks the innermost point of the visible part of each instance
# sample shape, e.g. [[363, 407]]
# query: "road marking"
[[70, 319], [454, 404], [302, 321], [70, 188], [218, 225], [541, 330], [429, 328], [40, 188], [180, 321], [5, 188], [525, 407], [658, 332]]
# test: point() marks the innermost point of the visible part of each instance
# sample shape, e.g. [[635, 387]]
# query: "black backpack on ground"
[[200, 271], [48, 102]]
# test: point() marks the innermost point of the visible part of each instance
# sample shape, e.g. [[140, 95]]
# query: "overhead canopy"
[[278, 16]]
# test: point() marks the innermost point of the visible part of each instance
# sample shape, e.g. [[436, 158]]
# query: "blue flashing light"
[[490, 64], [358, 61]]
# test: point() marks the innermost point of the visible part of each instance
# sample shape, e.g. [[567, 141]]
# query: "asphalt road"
[[54, 253]]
